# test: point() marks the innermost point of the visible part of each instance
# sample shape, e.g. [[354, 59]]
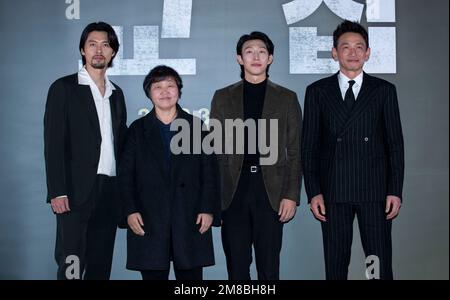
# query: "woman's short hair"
[[160, 73]]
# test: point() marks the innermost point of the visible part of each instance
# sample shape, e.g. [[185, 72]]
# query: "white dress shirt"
[[343, 84], [107, 162]]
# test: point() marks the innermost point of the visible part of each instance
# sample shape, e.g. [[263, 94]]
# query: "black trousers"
[[191, 274], [375, 233], [87, 233], [250, 220]]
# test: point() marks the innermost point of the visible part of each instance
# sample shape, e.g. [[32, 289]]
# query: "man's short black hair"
[[349, 26], [160, 73], [100, 26], [255, 35]]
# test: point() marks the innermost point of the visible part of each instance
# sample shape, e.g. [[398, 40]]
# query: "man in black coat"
[[353, 156], [84, 127]]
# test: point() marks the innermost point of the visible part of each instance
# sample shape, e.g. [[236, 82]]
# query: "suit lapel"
[[177, 160], [335, 101], [270, 101], [362, 101], [115, 113], [154, 141], [237, 100], [85, 94]]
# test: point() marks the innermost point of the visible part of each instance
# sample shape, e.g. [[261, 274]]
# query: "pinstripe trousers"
[[337, 234]]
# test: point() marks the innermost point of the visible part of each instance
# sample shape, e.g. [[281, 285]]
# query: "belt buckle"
[[253, 169]]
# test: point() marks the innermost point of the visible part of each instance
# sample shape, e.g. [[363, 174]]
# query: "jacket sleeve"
[[394, 141], [217, 116], [293, 180], [210, 199], [311, 144], [55, 141]]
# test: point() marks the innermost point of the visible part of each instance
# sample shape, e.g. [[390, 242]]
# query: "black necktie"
[[349, 98]]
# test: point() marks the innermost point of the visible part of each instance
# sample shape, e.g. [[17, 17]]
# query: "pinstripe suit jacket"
[[356, 156]]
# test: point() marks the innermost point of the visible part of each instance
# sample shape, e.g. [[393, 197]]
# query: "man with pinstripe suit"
[[353, 155]]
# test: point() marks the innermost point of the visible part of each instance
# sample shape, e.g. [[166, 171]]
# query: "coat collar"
[[237, 100], [154, 142], [334, 97], [85, 95], [363, 101]]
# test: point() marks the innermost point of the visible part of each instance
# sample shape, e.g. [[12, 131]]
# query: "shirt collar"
[[343, 80], [85, 79]]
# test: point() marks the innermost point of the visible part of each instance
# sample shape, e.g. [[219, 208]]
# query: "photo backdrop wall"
[[409, 40]]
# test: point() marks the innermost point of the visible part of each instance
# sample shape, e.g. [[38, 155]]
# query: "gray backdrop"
[[39, 45]]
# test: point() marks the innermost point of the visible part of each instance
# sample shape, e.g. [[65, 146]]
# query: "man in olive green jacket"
[[260, 186]]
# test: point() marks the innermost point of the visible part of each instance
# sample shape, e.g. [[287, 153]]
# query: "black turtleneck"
[[254, 95]]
